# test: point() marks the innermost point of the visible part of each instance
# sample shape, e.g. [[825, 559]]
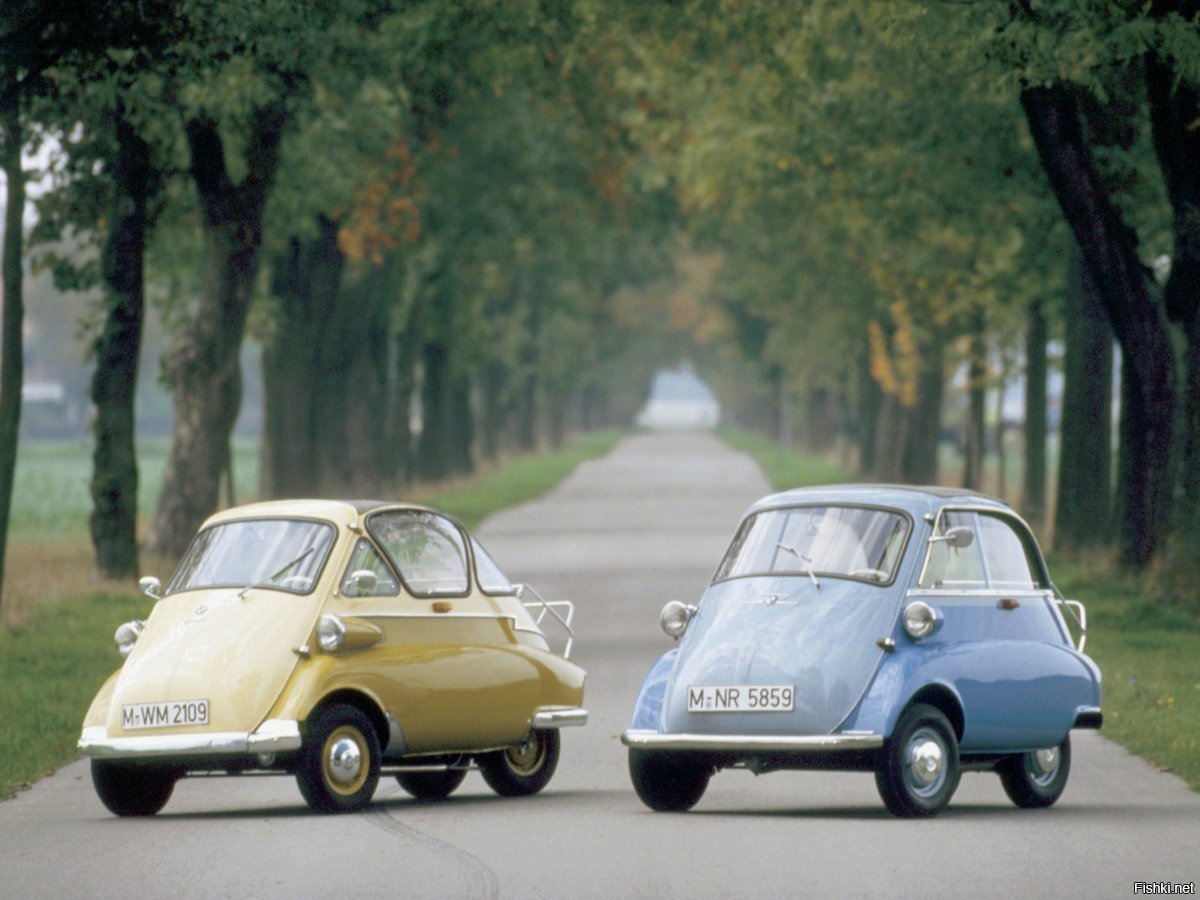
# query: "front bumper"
[[742, 743], [273, 736]]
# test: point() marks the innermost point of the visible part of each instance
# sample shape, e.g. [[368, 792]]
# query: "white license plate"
[[741, 698], [165, 714]]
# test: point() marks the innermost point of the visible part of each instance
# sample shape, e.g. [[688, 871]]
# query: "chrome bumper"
[[561, 717], [273, 736], [753, 743]]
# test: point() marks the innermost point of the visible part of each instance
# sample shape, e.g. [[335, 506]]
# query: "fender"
[[1006, 710], [647, 710]]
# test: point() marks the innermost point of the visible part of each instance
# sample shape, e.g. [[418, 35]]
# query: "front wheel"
[[918, 772], [1036, 779], [431, 785], [667, 782], [132, 789], [523, 769], [338, 768]]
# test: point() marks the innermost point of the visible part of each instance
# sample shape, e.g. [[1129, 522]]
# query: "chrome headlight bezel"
[[920, 620], [331, 633], [675, 617], [126, 636]]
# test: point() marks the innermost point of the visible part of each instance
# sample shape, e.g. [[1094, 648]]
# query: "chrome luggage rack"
[[552, 607]]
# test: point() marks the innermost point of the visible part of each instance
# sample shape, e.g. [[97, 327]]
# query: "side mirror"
[[959, 538], [362, 581], [151, 587]]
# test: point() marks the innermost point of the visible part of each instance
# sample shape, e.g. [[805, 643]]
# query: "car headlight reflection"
[[126, 636], [920, 619], [675, 617], [331, 633]]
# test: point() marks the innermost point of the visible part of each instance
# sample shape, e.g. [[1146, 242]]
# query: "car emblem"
[[201, 610], [771, 600]]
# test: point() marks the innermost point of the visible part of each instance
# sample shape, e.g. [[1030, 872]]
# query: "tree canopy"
[[456, 228]]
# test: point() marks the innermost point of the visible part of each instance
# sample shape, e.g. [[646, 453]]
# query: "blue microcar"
[[912, 632]]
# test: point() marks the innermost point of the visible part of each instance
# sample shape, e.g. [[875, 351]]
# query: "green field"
[[53, 662]]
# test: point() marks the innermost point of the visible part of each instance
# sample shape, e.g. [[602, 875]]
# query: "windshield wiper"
[[800, 556], [271, 579]]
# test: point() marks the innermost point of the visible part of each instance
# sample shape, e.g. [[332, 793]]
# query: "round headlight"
[[675, 617], [126, 636], [919, 619], [330, 633]]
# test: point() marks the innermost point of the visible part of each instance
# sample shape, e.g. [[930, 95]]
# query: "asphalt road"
[[620, 537]]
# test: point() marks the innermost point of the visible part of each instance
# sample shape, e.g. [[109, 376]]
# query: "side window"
[[995, 560], [487, 573], [1008, 565], [366, 559], [949, 567], [427, 550]]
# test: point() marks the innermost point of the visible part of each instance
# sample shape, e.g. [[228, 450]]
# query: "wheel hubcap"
[[1042, 765], [344, 769], [526, 757], [926, 769]]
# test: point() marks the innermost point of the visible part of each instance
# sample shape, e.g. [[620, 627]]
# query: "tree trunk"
[[431, 463], [12, 350], [923, 431], [1109, 249], [114, 486], [364, 383], [493, 387], [1036, 338], [203, 367], [975, 427], [1173, 109], [870, 406], [404, 384], [1083, 519]]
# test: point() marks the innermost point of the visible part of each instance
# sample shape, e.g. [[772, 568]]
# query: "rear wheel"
[[431, 785], [1037, 779], [523, 769], [667, 782], [132, 789], [338, 768], [918, 772]]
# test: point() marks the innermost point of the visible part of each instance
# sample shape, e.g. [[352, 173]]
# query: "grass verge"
[[1149, 655], [53, 661]]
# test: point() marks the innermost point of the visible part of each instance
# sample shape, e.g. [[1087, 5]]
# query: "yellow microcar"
[[335, 641]]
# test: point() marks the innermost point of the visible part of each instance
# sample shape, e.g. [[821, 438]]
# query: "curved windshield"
[[847, 541], [284, 554]]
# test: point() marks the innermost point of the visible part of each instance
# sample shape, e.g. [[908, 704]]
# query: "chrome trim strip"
[[434, 615], [808, 743], [560, 718], [274, 736]]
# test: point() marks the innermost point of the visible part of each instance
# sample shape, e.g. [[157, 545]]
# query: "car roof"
[[309, 509], [917, 500]]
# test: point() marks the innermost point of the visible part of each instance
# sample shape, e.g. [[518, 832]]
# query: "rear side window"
[[996, 559], [427, 550]]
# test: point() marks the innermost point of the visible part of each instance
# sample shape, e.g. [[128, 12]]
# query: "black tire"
[[1036, 779], [133, 789], [918, 769], [338, 766], [431, 785], [668, 782], [523, 769]]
